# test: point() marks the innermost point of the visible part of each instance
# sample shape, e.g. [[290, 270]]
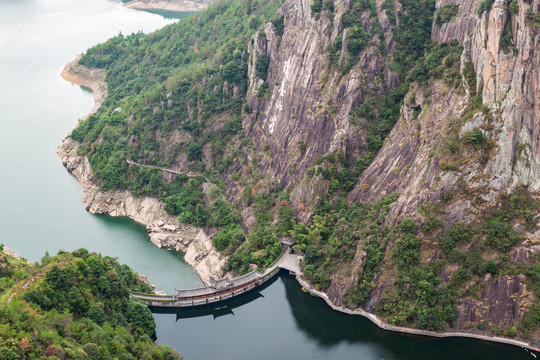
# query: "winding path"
[[190, 174]]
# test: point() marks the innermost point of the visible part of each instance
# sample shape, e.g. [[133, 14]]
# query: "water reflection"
[[281, 321], [330, 328], [215, 310]]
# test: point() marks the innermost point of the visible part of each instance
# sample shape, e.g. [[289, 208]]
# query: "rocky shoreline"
[[169, 5], [163, 229]]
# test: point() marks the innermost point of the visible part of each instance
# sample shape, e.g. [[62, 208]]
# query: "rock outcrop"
[[411, 161], [299, 111]]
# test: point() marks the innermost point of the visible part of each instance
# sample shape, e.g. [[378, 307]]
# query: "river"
[[41, 210]]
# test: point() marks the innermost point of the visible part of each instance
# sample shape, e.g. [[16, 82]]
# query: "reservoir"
[[40, 208]]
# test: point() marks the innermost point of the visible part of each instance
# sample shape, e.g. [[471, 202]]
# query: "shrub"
[[485, 5], [408, 226], [500, 235], [475, 137], [446, 14], [513, 7], [459, 232], [357, 40], [229, 238], [194, 151], [316, 7]]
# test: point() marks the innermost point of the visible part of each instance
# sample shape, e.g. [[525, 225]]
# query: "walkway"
[[190, 174], [223, 289]]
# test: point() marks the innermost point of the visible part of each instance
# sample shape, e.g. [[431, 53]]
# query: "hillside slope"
[[74, 306]]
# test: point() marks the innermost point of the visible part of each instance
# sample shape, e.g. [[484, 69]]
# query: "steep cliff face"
[[163, 229], [415, 161], [508, 82], [305, 114]]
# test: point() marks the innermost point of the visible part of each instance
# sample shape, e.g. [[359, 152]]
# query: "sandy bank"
[[169, 5], [94, 79], [164, 230]]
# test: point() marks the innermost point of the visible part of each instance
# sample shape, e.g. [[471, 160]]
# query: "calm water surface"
[[40, 208]]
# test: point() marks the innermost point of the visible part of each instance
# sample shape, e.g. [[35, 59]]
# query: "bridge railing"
[[274, 265]]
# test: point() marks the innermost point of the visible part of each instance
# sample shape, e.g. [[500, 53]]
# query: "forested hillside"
[[371, 132], [74, 306]]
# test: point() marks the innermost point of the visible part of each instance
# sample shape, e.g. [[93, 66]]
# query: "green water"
[[40, 203], [40, 207], [282, 322]]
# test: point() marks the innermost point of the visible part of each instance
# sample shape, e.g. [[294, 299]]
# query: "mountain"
[[395, 141]]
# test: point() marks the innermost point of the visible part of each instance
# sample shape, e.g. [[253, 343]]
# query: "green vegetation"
[[431, 303], [74, 306], [178, 100], [262, 247], [513, 6], [174, 80], [335, 237], [445, 14], [507, 42], [485, 5]]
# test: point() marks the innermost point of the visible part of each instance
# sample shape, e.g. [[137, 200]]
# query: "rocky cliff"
[[312, 104], [414, 161]]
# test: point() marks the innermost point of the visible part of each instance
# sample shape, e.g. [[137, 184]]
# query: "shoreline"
[[405, 330], [179, 6], [163, 229], [119, 203]]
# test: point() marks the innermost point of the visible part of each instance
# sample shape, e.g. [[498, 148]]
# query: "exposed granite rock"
[[308, 101], [164, 229], [409, 165], [499, 305]]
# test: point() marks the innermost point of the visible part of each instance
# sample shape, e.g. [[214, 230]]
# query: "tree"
[[97, 315]]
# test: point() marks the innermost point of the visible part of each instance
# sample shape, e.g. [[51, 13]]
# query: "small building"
[[287, 243]]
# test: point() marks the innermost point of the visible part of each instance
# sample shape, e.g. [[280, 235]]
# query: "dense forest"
[[74, 306], [178, 99]]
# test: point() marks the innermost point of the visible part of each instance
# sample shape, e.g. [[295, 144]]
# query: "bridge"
[[223, 289]]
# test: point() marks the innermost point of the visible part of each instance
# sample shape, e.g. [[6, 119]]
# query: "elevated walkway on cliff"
[[223, 289]]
